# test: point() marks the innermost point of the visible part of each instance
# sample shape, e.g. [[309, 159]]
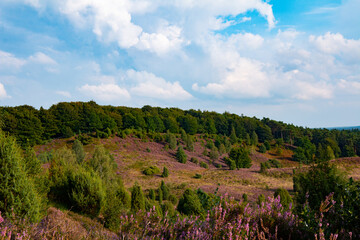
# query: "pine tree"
[[17, 190], [32, 163], [165, 190], [190, 204], [180, 155], [137, 198], [165, 172], [78, 149], [233, 137], [254, 138], [152, 194]]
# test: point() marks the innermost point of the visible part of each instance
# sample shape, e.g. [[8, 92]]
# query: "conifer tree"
[[180, 155], [233, 137], [17, 190], [189, 143], [32, 163], [165, 172], [78, 149], [189, 203], [254, 138], [137, 198], [165, 190]]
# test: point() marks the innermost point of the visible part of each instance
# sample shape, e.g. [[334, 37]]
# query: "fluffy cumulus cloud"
[[105, 92], [336, 44], [150, 86], [113, 21]]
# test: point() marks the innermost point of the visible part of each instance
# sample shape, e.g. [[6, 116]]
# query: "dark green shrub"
[[152, 194], [285, 198], [171, 140], [151, 170], [173, 199], [218, 165], [214, 154], [165, 190], [189, 203], [194, 160], [204, 165], [189, 143], [148, 149], [275, 163], [205, 199], [267, 145], [231, 163], [245, 197], [86, 192], [168, 208], [197, 176], [165, 172], [262, 148], [180, 155], [137, 198], [241, 157]]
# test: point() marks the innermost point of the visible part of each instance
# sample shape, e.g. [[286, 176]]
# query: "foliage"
[[180, 155], [151, 170], [78, 149], [32, 163], [171, 140], [197, 176], [102, 162], [204, 165], [165, 172], [137, 198], [194, 160], [285, 198], [18, 194], [262, 148], [189, 203], [241, 157], [165, 190], [86, 192]]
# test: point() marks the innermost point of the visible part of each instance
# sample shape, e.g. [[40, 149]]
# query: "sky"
[[294, 61]]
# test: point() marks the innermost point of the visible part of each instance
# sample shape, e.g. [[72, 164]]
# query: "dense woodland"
[[324, 203], [31, 126]]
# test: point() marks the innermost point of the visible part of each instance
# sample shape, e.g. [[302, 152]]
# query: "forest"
[[79, 170]]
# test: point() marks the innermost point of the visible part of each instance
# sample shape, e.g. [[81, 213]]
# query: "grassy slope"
[[133, 155]]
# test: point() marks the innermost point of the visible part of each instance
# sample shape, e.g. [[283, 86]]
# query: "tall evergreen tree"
[[137, 198], [78, 149], [17, 191]]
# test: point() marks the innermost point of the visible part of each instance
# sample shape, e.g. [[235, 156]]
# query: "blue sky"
[[294, 61]]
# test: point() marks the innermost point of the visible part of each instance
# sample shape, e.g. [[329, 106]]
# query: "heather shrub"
[[151, 170]]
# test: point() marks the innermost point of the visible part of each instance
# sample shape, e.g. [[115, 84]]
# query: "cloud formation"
[[105, 92], [3, 93]]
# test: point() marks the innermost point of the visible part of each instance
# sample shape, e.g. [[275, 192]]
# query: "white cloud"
[[336, 44], [9, 61], [105, 92], [245, 79], [150, 86], [42, 58], [3, 93], [64, 94], [308, 91], [352, 87]]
